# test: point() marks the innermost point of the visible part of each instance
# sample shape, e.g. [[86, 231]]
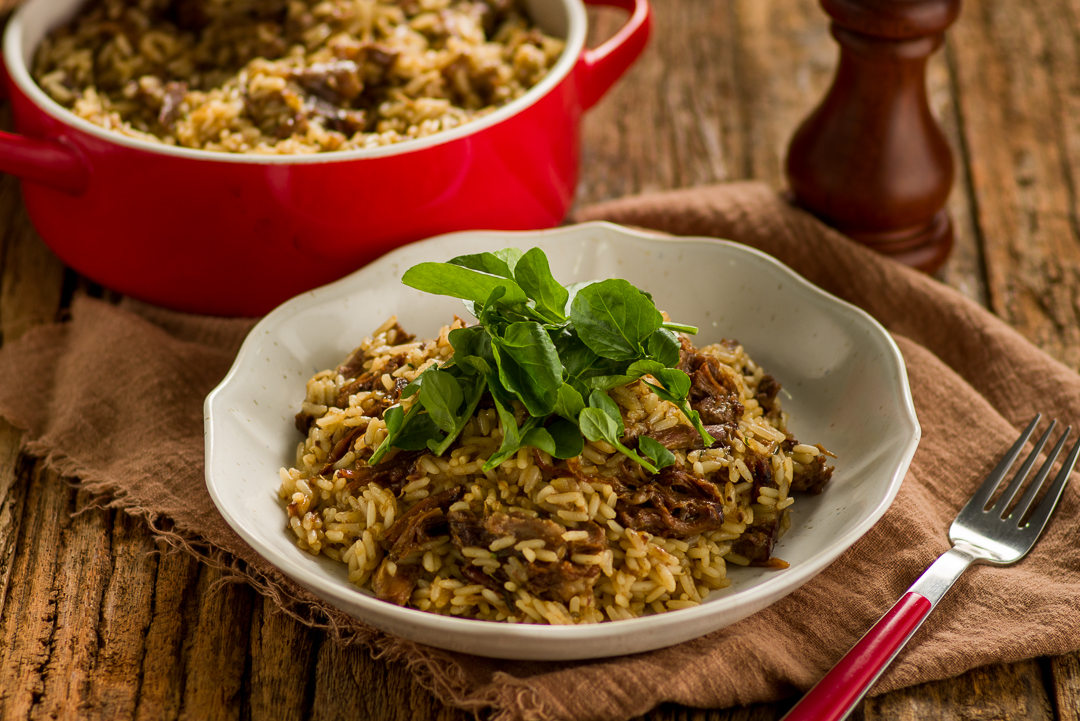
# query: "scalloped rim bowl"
[[845, 376]]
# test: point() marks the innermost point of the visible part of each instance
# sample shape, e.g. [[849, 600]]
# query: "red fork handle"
[[836, 694], [600, 67], [50, 162]]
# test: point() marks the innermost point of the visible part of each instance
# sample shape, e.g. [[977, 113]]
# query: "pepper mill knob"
[[871, 160]]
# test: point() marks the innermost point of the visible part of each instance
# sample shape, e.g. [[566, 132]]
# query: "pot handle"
[[49, 162], [600, 67]]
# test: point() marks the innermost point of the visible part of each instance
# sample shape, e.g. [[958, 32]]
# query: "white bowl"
[[846, 378]]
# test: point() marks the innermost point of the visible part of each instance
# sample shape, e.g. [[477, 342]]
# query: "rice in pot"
[[291, 76], [537, 540]]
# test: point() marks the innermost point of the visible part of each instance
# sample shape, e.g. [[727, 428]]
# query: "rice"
[[291, 76], [336, 510]]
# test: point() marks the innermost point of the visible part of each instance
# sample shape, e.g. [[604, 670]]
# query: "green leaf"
[[664, 347], [676, 383], [395, 419], [604, 402], [655, 450], [540, 438], [458, 282], [485, 263], [569, 402], [511, 435], [567, 437], [442, 397], [529, 366], [613, 318], [473, 393], [533, 274], [598, 426], [510, 256], [418, 433]]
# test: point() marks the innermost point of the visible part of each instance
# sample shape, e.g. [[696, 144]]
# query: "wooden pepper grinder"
[[871, 160]]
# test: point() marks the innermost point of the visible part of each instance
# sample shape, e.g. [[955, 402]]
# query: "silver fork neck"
[[942, 573]]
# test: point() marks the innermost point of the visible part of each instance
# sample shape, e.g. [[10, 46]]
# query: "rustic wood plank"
[[674, 712], [126, 612], [1006, 693], [12, 493], [28, 621], [1020, 176], [83, 567], [217, 648], [350, 684], [1065, 680], [965, 268], [282, 657], [161, 692]]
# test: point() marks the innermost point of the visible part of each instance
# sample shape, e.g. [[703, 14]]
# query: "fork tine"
[[1053, 494], [978, 501], [1006, 498], [1025, 501]]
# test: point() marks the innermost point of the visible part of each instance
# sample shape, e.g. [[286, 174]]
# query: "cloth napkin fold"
[[114, 397]]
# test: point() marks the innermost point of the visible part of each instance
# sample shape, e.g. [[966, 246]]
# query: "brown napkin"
[[114, 397]]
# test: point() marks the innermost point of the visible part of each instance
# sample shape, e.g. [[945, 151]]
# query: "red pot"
[[230, 234]]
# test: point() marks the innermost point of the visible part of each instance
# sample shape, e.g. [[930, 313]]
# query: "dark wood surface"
[[99, 622]]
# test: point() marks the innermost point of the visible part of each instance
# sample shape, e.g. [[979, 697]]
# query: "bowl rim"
[[19, 74], [778, 586]]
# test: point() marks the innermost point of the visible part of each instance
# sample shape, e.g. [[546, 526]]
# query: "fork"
[[996, 536]]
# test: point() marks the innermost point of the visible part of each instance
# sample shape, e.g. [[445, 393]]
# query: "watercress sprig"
[[555, 349]]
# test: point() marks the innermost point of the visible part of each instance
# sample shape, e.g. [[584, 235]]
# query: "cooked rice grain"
[[639, 573]]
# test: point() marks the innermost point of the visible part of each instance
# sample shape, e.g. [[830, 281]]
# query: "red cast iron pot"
[[236, 235]]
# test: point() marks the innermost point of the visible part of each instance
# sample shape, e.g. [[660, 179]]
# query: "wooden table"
[[97, 622]]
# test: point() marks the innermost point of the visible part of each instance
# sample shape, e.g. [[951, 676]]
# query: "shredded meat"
[[682, 437], [396, 588], [812, 477], [712, 393], [767, 389], [411, 530], [170, 104], [671, 503], [757, 543], [340, 449], [559, 580], [354, 364], [367, 380], [392, 473], [337, 82]]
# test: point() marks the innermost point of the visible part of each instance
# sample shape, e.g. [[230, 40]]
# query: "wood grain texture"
[[1013, 68], [1065, 673], [1005, 693], [99, 621]]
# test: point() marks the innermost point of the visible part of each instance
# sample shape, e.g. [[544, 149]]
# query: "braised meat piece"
[[396, 588], [524, 528], [757, 542], [421, 522], [767, 389], [761, 472], [415, 527], [683, 438], [671, 503], [390, 473], [466, 531], [712, 393], [367, 381], [340, 449], [559, 580], [813, 476], [354, 364]]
